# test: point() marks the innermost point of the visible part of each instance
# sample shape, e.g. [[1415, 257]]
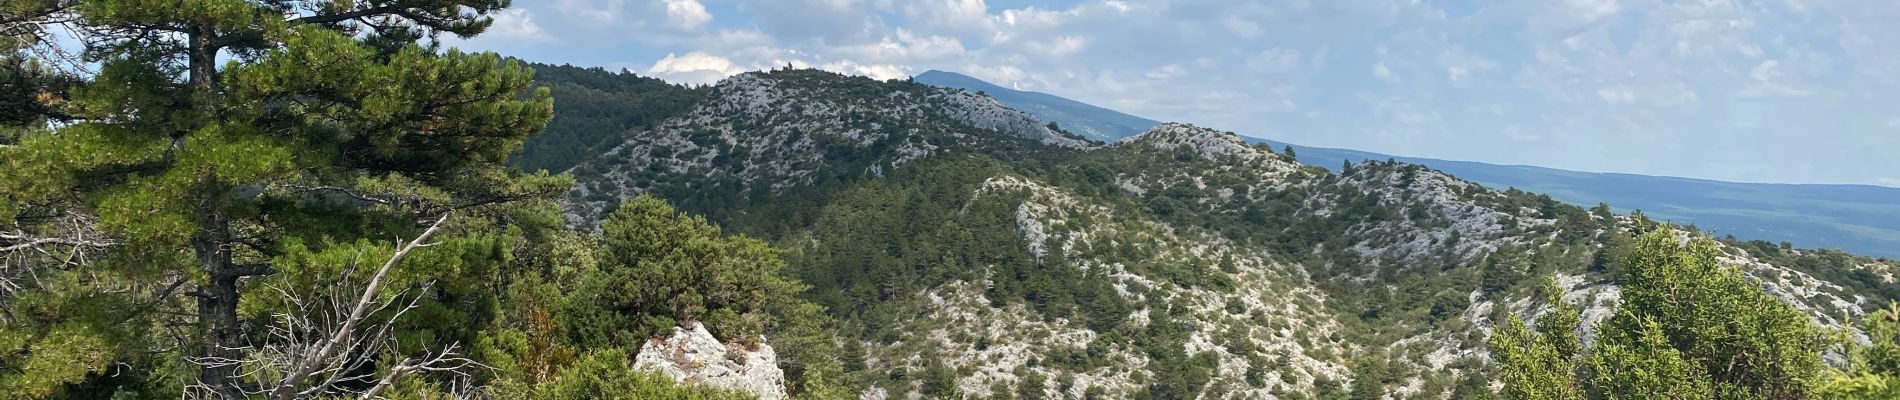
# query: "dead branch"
[[287, 388]]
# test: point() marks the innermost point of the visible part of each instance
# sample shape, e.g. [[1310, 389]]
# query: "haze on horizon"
[[1783, 91]]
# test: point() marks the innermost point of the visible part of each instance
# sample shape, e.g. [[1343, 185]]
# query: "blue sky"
[[1795, 91]]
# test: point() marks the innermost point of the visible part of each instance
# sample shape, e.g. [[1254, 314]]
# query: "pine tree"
[[217, 132], [1289, 153], [1872, 371], [1503, 269], [1541, 363], [1714, 318], [1687, 328], [1603, 213]]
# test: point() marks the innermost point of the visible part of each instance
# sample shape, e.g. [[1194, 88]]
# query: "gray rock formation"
[[693, 356]]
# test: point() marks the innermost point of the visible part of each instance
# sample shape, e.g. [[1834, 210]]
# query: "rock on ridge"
[[1208, 142], [757, 93], [692, 355]]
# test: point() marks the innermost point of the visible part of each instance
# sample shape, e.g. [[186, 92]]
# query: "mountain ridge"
[[967, 259], [1856, 217]]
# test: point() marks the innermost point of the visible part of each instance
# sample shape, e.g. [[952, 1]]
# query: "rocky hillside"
[[970, 251], [768, 132]]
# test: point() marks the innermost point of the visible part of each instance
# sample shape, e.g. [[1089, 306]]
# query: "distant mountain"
[[1858, 218], [1081, 118]]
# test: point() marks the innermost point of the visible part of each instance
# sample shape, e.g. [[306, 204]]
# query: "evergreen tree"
[[1687, 328], [219, 136], [1743, 342], [1603, 213], [1873, 370], [1504, 268], [1540, 364], [1289, 153]]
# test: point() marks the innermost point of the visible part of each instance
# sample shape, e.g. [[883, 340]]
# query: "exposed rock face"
[[693, 355], [1208, 143], [1000, 346]]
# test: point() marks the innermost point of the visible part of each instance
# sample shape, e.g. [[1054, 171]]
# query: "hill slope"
[[1858, 218], [969, 251], [594, 108]]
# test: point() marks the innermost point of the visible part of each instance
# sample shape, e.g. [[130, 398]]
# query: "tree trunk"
[[204, 72], [218, 329], [217, 299]]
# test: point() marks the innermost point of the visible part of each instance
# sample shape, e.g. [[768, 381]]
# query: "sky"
[[1782, 91]]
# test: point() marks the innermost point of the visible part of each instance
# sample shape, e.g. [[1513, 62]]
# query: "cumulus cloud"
[[516, 25], [687, 14], [694, 67], [907, 46], [1059, 46], [873, 71]]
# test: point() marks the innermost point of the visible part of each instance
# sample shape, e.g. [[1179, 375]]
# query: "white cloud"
[[1005, 75], [1460, 65], [1383, 73], [687, 14], [1275, 60], [694, 67], [1035, 17], [1766, 70], [1617, 95], [970, 17], [908, 46], [1166, 72], [876, 71], [515, 25], [1241, 27], [1591, 10], [1059, 46]]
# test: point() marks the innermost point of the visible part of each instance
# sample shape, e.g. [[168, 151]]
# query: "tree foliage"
[[1687, 327], [1872, 371]]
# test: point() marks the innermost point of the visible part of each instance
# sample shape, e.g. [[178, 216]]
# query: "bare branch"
[[287, 388], [448, 361], [346, 192], [23, 242]]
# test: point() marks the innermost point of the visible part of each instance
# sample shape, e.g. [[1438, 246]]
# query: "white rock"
[[692, 355]]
